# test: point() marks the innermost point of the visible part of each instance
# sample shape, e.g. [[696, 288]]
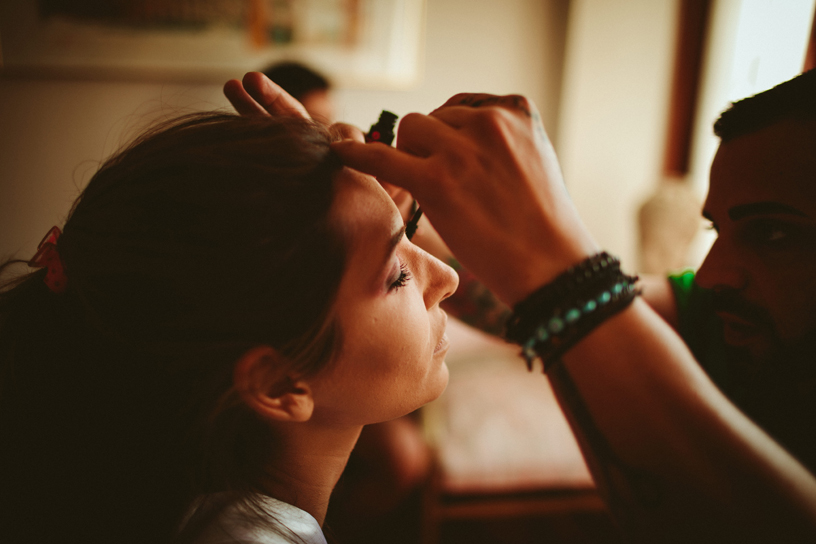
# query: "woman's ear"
[[261, 378]]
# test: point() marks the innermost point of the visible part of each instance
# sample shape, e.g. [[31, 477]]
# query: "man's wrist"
[[560, 313], [537, 270]]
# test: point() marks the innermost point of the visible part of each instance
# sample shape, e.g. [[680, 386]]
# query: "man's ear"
[[260, 377]]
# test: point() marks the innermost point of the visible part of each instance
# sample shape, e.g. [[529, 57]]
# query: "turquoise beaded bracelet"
[[559, 314]]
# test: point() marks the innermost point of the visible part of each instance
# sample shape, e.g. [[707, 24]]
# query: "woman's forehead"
[[362, 209]]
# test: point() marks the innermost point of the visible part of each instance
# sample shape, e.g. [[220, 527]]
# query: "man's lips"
[[738, 330], [731, 302], [735, 319], [744, 322]]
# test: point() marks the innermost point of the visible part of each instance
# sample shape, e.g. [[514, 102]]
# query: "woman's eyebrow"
[[391, 247], [395, 239], [762, 208]]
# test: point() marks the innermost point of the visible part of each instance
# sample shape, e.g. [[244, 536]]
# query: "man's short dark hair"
[[795, 99], [297, 79]]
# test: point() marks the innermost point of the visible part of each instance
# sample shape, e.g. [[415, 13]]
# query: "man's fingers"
[[460, 99], [257, 95], [243, 103], [397, 194], [347, 132], [271, 96], [454, 116], [472, 100], [422, 135], [381, 161], [478, 100]]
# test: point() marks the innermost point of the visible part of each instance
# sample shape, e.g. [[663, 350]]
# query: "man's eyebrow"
[[762, 208]]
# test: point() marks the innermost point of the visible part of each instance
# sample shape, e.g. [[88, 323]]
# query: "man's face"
[[762, 203]]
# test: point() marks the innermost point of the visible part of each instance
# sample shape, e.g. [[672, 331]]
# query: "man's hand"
[[486, 174], [256, 94]]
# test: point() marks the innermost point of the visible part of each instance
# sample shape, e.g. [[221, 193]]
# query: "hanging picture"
[[359, 43]]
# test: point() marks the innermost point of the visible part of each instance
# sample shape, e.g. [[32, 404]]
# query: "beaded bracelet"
[[553, 319]]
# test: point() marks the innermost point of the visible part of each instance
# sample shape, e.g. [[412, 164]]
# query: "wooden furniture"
[[502, 447]]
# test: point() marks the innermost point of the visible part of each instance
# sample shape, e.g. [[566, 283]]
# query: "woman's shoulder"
[[256, 519]]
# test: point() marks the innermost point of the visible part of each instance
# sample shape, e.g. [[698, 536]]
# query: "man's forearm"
[[673, 459]]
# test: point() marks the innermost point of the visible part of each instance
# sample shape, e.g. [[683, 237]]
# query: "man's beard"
[[777, 389], [795, 359]]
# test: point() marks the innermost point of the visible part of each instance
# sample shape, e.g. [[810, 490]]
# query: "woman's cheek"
[[417, 326], [407, 321]]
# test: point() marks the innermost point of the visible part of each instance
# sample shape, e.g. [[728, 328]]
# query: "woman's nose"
[[440, 280]]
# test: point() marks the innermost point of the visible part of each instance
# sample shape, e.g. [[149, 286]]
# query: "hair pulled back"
[[207, 236]]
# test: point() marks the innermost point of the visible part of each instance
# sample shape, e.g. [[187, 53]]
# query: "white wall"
[[752, 46], [54, 133], [502, 47], [613, 112], [53, 136]]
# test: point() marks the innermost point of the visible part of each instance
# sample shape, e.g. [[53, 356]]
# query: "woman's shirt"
[[272, 522]]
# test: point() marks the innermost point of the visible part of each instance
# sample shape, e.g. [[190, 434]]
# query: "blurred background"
[[627, 89], [79, 79]]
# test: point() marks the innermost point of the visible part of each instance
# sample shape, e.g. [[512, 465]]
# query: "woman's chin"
[[443, 379]]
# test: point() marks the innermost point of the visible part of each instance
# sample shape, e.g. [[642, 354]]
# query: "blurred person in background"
[[307, 86]]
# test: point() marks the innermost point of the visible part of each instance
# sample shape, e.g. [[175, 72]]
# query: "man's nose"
[[721, 269]]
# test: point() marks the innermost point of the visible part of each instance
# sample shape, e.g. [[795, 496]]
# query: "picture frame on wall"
[[358, 43]]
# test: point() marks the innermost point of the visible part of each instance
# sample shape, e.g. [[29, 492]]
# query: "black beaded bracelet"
[[553, 319]]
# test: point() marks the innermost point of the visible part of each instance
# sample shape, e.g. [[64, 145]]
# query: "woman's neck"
[[305, 470]]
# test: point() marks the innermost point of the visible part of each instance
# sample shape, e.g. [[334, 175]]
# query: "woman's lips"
[[443, 344]]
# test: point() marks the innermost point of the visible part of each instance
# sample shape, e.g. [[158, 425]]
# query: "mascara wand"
[[411, 225], [383, 131]]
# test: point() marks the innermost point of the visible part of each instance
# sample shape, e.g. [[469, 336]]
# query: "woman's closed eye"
[[403, 278]]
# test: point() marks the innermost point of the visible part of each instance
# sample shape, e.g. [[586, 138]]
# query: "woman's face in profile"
[[392, 356]]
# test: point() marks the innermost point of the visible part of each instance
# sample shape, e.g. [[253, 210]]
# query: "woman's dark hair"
[[207, 236]]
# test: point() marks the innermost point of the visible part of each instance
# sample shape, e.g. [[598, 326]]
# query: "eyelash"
[[404, 277]]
